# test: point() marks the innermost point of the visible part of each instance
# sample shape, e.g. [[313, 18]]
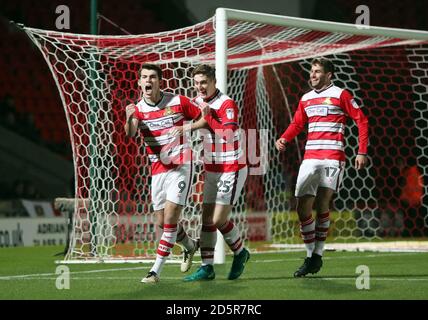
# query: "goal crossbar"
[[320, 25]]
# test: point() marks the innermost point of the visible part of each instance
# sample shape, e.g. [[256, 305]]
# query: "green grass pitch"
[[29, 273]]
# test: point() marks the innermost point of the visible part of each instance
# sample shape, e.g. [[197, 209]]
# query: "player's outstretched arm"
[[193, 112], [131, 124], [191, 126]]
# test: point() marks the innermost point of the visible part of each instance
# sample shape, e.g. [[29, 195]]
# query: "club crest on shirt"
[[327, 101], [168, 111], [355, 104], [230, 114]]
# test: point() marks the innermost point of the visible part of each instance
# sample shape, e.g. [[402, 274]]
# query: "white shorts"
[[314, 173], [173, 185], [224, 187]]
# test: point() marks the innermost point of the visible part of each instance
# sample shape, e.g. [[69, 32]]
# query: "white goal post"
[[261, 62], [223, 15]]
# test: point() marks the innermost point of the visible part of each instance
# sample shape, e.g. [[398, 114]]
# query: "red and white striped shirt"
[[155, 122], [325, 112], [222, 149]]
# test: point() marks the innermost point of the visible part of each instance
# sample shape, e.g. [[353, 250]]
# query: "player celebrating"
[[225, 175], [325, 108], [156, 114]]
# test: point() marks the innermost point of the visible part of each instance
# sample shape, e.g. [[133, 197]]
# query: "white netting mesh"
[[97, 78]]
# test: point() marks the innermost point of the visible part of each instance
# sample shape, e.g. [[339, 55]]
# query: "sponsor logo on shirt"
[[230, 114], [316, 111], [160, 124], [327, 101], [168, 111]]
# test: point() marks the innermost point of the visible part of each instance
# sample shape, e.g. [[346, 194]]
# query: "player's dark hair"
[[151, 66], [325, 63], [204, 69]]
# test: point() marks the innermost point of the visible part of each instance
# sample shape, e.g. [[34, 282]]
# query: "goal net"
[[268, 59]]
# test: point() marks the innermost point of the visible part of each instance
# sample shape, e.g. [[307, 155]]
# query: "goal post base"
[[113, 261]]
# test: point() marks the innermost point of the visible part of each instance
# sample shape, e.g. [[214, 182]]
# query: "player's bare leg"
[[159, 218], [307, 223], [322, 223], [171, 216], [152, 277], [208, 239], [189, 245], [216, 216], [307, 229], [233, 239]]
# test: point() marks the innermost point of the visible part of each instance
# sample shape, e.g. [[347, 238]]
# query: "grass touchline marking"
[[134, 279], [39, 275]]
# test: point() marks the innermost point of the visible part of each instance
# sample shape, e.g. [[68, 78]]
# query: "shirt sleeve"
[[353, 110], [190, 110], [297, 124]]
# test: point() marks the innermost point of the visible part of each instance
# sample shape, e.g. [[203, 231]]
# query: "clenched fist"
[[205, 108], [130, 110]]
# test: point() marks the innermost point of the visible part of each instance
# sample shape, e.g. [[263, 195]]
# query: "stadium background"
[[36, 153]]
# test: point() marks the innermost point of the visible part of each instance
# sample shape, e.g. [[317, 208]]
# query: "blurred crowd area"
[[30, 105]]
